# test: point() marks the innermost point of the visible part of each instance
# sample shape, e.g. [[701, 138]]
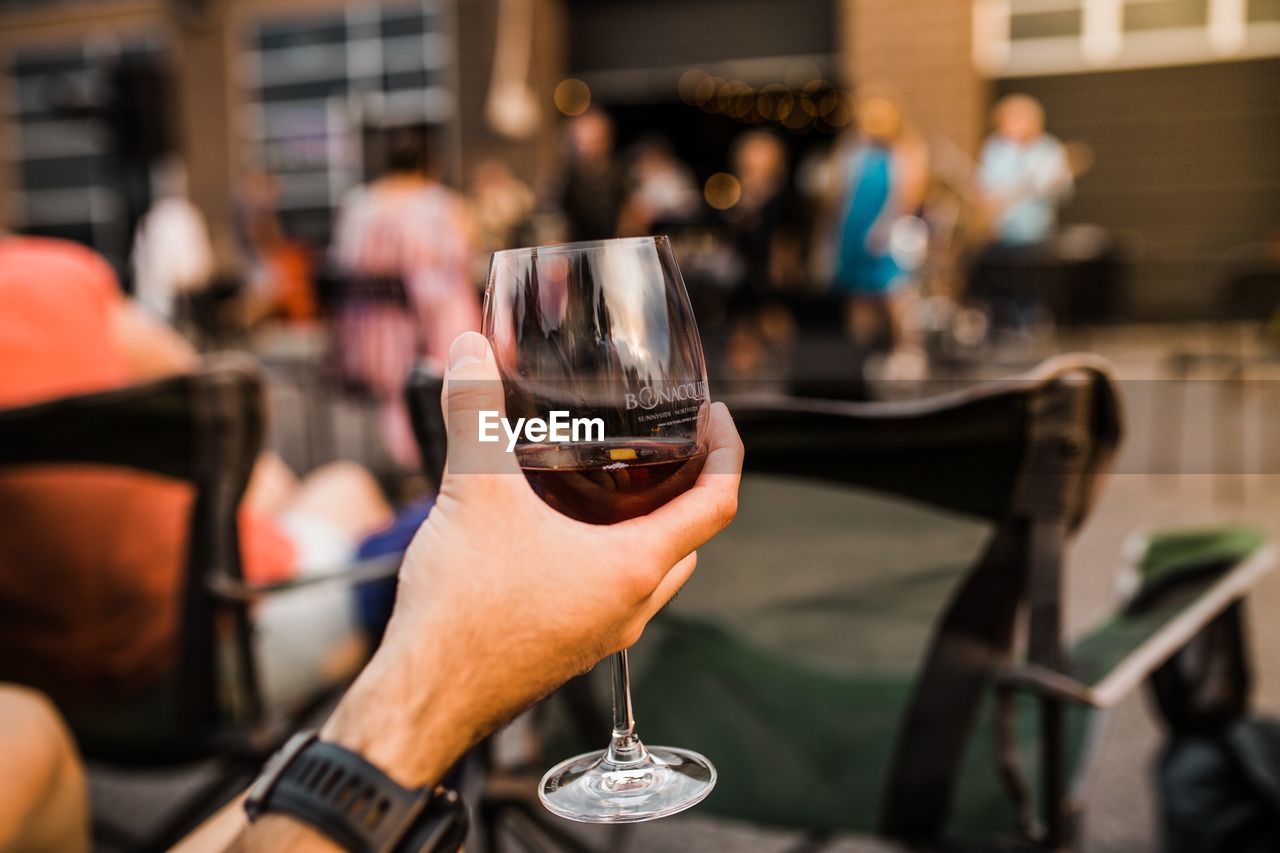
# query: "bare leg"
[[43, 804], [897, 307], [345, 495], [272, 486]]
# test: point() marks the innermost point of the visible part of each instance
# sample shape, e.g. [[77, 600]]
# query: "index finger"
[[689, 520]]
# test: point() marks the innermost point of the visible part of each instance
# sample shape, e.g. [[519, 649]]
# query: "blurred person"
[[409, 227], [766, 228], [280, 274], [43, 796], [92, 557], [592, 191], [171, 253], [768, 214], [882, 172], [503, 207], [486, 625], [1023, 176], [1023, 173], [662, 190]]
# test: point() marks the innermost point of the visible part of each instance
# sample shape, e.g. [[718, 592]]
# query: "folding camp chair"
[[897, 690], [374, 342], [205, 429]]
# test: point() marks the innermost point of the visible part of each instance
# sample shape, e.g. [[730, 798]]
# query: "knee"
[[29, 717], [346, 493], [344, 477], [39, 768]]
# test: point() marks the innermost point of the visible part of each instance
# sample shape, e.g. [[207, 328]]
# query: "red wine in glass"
[[604, 331], [610, 481]]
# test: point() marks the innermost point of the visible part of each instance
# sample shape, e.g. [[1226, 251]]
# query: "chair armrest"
[[360, 571], [1110, 662]]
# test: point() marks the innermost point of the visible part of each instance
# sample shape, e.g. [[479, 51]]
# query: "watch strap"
[[336, 791]]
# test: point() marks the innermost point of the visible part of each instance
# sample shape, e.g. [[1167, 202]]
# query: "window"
[[312, 81], [73, 110], [1021, 37]]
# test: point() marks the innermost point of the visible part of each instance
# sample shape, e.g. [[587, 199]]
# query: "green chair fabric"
[[801, 747], [796, 690], [791, 657], [1176, 569], [1169, 553]]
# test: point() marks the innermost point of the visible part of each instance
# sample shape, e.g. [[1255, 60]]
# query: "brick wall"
[[923, 49]]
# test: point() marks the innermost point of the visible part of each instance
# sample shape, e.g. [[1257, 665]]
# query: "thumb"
[[473, 408]]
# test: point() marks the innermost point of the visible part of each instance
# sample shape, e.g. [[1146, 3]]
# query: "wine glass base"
[[590, 789]]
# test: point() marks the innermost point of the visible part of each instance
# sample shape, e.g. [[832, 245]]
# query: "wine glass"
[[603, 332]]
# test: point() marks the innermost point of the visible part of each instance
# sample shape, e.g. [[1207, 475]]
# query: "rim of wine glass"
[[581, 245]]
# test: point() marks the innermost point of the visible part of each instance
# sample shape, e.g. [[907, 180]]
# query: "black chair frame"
[[206, 429]]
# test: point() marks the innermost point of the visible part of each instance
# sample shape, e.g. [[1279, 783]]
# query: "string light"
[[705, 91], [691, 84], [806, 102]]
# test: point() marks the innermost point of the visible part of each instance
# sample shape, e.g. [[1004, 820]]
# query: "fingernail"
[[466, 348]]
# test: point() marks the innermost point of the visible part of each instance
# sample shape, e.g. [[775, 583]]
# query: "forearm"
[[400, 718]]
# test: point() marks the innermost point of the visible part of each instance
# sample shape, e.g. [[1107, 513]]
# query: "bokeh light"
[[572, 96], [690, 84], [722, 191], [842, 111], [705, 92], [768, 99]]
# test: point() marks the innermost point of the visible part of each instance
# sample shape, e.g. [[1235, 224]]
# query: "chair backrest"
[[984, 451], [1027, 454], [374, 331], [206, 429]]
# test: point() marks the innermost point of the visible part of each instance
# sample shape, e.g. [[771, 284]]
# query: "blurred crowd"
[[870, 238]]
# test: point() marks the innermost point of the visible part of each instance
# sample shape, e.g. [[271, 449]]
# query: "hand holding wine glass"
[[502, 599], [602, 334]]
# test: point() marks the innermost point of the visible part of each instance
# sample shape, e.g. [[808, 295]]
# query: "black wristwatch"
[[353, 803]]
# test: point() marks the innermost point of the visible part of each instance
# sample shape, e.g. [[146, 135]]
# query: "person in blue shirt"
[[1023, 173], [1023, 178]]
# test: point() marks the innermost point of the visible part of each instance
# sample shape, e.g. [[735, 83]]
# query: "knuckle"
[[470, 396], [640, 583], [630, 634], [727, 508]]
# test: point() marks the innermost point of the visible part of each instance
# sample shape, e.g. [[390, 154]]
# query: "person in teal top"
[[864, 263], [882, 176]]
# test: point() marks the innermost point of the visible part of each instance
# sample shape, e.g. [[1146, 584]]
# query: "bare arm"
[[486, 625], [912, 157], [151, 348]]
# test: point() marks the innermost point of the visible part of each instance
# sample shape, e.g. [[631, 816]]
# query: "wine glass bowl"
[[601, 335]]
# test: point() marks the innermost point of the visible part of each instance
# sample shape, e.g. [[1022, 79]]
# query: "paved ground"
[[1118, 796]]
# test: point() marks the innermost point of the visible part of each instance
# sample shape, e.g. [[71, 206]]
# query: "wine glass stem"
[[625, 747]]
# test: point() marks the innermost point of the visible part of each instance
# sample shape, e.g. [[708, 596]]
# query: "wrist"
[[401, 718]]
